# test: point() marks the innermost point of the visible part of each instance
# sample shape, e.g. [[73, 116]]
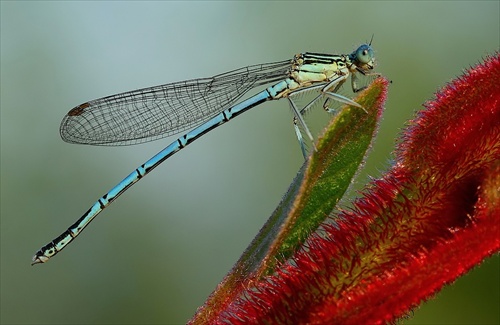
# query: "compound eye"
[[364, 54]]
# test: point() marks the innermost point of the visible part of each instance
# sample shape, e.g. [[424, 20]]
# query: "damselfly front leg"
[[330, 92]]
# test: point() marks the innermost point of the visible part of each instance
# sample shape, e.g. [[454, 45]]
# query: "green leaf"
[[320, 184]]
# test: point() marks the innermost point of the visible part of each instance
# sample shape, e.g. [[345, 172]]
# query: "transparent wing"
[[151, 113]]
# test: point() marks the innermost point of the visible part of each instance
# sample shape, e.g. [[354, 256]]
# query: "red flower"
[[427, 221]]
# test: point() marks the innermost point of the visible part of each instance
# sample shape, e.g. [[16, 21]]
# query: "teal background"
[[159, 251]]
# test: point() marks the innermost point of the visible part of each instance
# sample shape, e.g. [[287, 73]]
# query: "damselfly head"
[[363, 57]]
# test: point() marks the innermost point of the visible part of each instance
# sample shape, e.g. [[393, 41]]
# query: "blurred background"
[[157, 253]]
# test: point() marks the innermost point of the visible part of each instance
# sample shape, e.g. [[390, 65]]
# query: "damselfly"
[[152, 113]]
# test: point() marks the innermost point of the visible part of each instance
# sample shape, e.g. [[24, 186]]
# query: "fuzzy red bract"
[[427, 221]]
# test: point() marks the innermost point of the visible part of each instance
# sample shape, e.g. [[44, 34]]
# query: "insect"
[[156, 112]]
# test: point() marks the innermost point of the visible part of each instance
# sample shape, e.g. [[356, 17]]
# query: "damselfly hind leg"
[[300, 138], [299, 119]]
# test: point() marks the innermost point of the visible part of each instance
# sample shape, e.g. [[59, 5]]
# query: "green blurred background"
[[159, 251]]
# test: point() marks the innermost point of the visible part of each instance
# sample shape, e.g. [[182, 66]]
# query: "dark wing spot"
[[78, 110]]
